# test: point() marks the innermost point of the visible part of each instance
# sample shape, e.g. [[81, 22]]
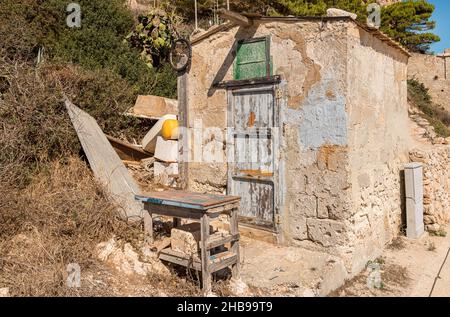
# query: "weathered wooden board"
[[154, 107], [127, 151], [257, 199], [106, 164], [235, 17], [188, 200]]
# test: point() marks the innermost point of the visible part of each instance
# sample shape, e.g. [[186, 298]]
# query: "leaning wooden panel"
[[106, 164]]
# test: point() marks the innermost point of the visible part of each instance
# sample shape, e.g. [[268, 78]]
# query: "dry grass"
[[56, 220], [397, 244], [34, 124], [394, 278]]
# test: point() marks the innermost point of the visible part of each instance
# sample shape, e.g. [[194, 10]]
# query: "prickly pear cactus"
[[154, 36]]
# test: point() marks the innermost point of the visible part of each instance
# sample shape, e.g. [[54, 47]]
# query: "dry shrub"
[[58, 219], [34, 125]]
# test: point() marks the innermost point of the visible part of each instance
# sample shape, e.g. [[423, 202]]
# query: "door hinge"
[[277, 219], [279, 93]]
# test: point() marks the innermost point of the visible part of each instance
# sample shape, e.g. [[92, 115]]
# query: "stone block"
[[364, 180], [298, 228], [433, 228], [328, 233], [162, 168], [428, 220], [333, 12], [4, 292], [414, 200], [154, 106], [185, 239], [303, 205], [323, 208], [166, 150]]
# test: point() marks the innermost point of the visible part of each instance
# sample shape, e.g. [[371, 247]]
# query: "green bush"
[[99, 44]]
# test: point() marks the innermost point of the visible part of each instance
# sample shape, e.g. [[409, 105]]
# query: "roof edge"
[[374, 31]]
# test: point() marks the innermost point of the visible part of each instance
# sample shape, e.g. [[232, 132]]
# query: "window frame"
[[268, 61]]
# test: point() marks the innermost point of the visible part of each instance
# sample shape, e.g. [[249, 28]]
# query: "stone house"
[[306, 119]]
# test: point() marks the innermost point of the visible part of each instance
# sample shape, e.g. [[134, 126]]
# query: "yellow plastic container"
[[170, 129]]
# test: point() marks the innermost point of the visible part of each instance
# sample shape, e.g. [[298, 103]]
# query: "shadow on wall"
[[402, 200], [242, 33]]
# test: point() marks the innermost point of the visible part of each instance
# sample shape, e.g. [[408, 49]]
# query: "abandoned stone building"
[[434, 72], [332, 93]]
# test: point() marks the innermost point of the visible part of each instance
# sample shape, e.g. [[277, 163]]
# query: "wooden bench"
[[202, 208]]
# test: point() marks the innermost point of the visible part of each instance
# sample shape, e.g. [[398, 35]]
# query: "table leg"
[[234, 229], [148, 226], [176, 222], [206, 273]]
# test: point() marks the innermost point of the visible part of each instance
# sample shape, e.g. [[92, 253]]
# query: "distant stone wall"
[[434, 72], [436, 181]]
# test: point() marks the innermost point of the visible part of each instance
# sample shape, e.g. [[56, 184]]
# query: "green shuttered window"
[[252, 59]]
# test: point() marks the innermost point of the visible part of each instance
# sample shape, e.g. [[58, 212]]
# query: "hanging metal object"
[[180, 55]]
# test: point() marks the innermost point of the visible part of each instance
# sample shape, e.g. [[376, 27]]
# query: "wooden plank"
[[234, 230], [153, 107], [188, 200], [175, 212], [176, 222], [127, 151], [213, 30], [180, 259], [108, 168], [205, 256], [226, 261], [235, 17], [148, 227], [222, 209], [255, 233], [162, 244], [217, 240], [230, 84]]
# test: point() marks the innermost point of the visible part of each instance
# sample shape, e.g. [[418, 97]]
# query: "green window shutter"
[[251, 59]]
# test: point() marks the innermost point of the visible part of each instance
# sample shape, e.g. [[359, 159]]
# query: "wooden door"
[[251, 153]]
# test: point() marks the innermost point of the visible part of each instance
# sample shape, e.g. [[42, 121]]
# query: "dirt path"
[[407, 268]]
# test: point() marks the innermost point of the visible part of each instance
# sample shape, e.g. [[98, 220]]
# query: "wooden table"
[[202, 208]]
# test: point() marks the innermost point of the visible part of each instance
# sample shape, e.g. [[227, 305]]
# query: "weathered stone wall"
[[379, 142], [315, 139], [434, 72], [292, 46], [436, 182]]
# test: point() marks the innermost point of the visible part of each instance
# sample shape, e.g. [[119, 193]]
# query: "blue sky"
[[442, 17]]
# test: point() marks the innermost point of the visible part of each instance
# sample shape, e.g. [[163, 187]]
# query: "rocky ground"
[[411, 268]]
